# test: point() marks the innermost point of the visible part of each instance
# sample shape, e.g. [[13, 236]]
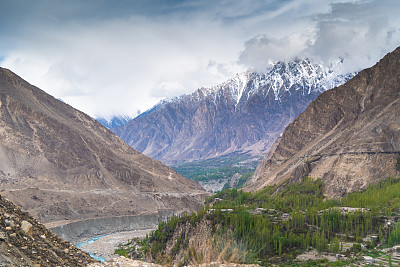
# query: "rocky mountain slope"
[[348, 136], [26, 242], [60, 164], [245, 114]]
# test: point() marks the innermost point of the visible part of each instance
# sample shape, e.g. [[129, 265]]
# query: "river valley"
[[100, 237], [102, 247]]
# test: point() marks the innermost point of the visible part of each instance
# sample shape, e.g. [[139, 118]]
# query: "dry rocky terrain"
[[61, 165], [105, 246], [349, 136], [124, 262], [26, 242]]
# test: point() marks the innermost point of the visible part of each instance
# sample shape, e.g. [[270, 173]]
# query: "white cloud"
[[120, 66], [360, 32], [105, 59], [264, 48]]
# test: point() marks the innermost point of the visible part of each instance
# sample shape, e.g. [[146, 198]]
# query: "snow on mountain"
[[115, 121], [246, 113], [351, 133], [279, 77]]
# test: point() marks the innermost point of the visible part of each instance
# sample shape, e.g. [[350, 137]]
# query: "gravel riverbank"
[[104, 247]]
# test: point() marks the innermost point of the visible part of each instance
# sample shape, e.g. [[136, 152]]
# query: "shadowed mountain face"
[[348, 136], [245, 114], [58, 163]]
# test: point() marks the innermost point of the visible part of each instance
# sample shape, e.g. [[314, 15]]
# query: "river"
[[102, 247]]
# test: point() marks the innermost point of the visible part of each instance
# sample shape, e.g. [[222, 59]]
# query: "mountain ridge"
[[114, 121], [60, 164], [348, 136], [246, 113]]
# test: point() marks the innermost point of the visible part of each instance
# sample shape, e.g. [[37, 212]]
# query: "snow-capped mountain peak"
[[279, 77], [301, 75], [246, 113], [115, 121]]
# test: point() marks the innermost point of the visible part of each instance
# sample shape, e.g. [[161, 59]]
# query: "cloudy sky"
[[108, 57]]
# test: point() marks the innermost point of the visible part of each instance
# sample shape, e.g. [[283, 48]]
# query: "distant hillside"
[[115, 121], [245, 114], [61, 165], [349, 136]]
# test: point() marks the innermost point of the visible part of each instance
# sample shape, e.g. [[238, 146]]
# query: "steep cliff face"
[[58, 163], [349, 136], [246, 114]]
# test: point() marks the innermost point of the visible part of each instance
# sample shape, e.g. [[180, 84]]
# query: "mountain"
[[59, 164], [26, 242], [115, 121], [245, 114], [349, 136]]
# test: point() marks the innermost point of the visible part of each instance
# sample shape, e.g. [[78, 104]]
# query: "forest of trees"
[[281, 221]]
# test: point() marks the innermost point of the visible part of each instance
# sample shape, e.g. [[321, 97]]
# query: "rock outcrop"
[[245, 114], [59, 164], [349, 136], [26, 242]]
